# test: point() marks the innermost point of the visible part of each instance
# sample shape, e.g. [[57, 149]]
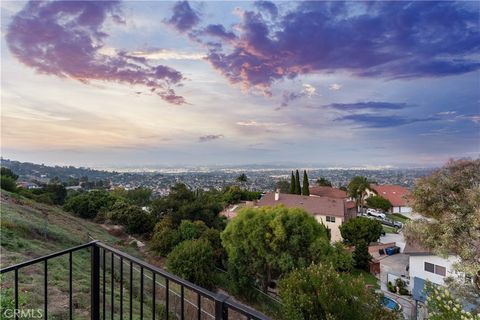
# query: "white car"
[[376, 213]]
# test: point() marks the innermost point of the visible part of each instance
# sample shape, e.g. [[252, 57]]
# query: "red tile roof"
[[397, 195], [328, 192], [314, 205]]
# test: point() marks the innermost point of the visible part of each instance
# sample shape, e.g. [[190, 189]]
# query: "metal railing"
[[202, 303]]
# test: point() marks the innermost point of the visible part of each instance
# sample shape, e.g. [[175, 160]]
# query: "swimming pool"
[[390, 304]]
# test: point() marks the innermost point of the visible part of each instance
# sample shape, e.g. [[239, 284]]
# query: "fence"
[[135, 288]]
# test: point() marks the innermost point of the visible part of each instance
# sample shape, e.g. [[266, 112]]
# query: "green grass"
[[369, 278], [29, 230], [388, 229], [399, 217]]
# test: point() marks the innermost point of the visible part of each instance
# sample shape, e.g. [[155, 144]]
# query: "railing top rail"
[[249, 312], [47, 257], [217, 297], [160, 271]]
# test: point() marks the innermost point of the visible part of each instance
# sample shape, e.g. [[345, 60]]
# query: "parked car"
[[376, 213], [397, 224]]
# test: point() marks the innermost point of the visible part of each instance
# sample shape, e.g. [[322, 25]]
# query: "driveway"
[[394, 237], [395, 264]]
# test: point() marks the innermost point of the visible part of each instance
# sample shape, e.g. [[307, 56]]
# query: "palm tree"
[[357, 189]]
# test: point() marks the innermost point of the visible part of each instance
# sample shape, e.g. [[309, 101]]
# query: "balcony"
[[125, 287]]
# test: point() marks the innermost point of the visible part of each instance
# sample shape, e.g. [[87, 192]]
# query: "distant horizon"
[[246, 166], [164, 83]]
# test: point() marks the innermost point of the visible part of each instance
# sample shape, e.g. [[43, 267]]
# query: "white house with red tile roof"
[[399, 196]]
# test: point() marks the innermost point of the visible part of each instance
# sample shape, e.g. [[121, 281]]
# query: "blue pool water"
[[390, 304]]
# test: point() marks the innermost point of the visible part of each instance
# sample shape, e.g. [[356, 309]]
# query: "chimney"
[[277, 194]]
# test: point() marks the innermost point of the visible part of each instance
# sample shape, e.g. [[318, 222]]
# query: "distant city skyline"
[[332, 84]]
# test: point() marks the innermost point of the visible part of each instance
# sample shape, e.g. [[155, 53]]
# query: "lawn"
[[367, 277], [388, 229], [399, 217]]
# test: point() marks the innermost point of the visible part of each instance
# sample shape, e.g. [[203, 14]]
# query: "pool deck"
[[407, 303]]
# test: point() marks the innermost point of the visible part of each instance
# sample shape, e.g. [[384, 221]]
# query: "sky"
[[150, 83]]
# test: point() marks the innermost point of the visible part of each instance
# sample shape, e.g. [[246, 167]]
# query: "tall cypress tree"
[[298, 188], [306, 187], [292, 184]]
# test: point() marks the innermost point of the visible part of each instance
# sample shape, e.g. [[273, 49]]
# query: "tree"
[[264, 243], [379, 202], [7, 183], [442, 305], [56, 192], [292, 184], [139, 221], [361, 256], [140, 196], [189, 230], [306, 187], [361, 229], [8, 173], [319, 292], [298, 188], [89, 204], [165, 236], [193, 261], [283, 186], [357, 189], [337, 255], [184, 204], [450, 198], [323, 182], [242, 178]]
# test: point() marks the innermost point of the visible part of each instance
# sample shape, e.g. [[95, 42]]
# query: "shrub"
[[189, 230], [361, 256], [193, 261], [319, 292], [379, 202], [88, 204], [165, 236], [139, 221], [8, 173], [8, 184], [391, 287], [361, 229]]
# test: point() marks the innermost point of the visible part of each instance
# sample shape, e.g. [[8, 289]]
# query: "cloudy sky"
[[201, 83]]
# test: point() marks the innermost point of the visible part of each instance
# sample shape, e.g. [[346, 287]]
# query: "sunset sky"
[[202, 83]]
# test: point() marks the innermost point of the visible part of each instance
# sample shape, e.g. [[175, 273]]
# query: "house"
[[397, 195], [330, 192], [425, 265], [331, 212], [27, 185]]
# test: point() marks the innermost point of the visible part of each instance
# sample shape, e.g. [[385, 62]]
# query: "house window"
[[433, 268], [429, 267], [440, 270], [330, 219]]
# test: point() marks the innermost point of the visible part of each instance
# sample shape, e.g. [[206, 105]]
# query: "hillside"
[[30, 229]]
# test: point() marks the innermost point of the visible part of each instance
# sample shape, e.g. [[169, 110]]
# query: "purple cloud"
[[373, 105], [374, 39], [65, 38], [217, 30], [267, 6], [210, 137], [184, 18], [383, 121]]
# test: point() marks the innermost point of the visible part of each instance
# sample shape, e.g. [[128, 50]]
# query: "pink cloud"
[[65, 38]]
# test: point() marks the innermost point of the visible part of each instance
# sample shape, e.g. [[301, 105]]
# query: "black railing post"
[[221, 310], [95, 285]]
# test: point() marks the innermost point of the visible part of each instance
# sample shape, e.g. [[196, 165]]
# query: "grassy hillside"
[[30, 229]]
